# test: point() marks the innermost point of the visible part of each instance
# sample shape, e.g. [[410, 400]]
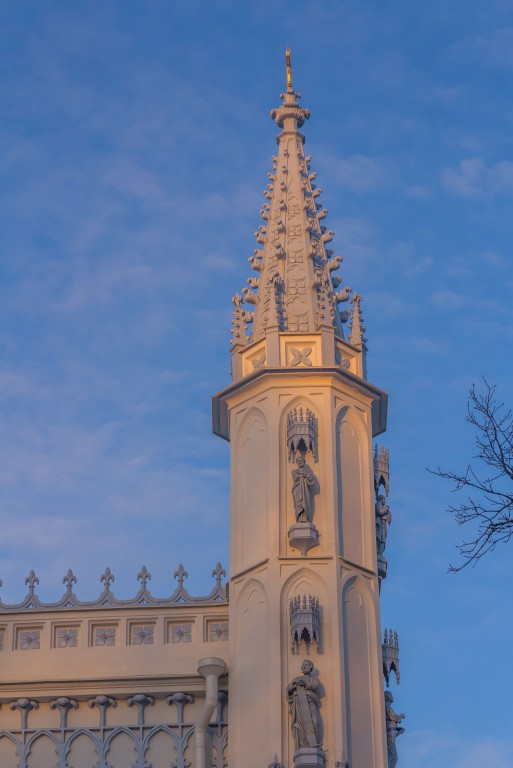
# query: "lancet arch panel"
[[363, 684], [355, 511], [121, 748], [250, 485], [82, 749], [252, 650], [41, 750], [307, 581]]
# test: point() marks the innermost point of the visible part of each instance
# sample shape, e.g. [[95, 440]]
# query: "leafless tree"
[[489, 482]]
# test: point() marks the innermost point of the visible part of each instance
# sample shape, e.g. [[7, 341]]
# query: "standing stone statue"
[[383, 520], [304, 698], [303, 480], [393, 729]]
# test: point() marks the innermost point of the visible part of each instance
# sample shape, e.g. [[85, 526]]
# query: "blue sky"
[[136, 141]]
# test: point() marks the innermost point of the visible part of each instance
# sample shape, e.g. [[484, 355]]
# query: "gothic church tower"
[[300, 416]]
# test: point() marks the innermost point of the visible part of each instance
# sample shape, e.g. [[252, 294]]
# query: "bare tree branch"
[[490, 506]]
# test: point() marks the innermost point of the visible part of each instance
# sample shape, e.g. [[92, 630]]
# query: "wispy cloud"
[[357, 172], [449, 299], [427, 749], [473, 178], [494, 48]]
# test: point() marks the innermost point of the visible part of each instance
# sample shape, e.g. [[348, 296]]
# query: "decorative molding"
[[258, 362], [107, 599], [181, 633], [103, 703], [64, 704], [141, 701], [28, 639], [141, 634], [105, 635], [24, 707], [66, 637], [217, 630]]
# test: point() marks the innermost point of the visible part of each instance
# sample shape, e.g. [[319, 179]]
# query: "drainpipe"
[[211, 669]]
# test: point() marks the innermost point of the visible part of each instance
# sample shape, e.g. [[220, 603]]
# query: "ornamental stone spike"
[[356, 329], [239, 338], [295, 292]]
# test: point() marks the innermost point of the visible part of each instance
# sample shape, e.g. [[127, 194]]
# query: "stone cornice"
[[379, 398]]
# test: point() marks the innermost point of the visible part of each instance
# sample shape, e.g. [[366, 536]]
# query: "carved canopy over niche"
[[305, 622], [302, 432]]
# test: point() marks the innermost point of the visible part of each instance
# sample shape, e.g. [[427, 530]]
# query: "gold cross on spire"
[[289, 69]]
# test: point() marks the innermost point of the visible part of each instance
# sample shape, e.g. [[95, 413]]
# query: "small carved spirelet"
[[304, 695]]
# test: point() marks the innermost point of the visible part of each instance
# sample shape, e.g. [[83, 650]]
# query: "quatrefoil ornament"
[[301, 356]]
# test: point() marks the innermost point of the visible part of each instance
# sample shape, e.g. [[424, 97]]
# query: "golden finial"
[[289, 69]]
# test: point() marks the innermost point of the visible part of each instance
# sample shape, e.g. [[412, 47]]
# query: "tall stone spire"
[[295, 291], [300, 417]]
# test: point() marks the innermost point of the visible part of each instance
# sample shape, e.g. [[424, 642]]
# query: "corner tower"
[[300, 416]]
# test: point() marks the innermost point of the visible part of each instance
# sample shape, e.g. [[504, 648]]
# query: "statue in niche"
[[393, 729], [383, 520], [302, 490], [304, 698]]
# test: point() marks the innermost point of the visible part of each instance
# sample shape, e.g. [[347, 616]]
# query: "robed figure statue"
[[304, 698], [394, 729], [383, 520], [303, 480]]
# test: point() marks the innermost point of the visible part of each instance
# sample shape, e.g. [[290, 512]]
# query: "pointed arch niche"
[[251, 490], [353, 481], [307, 581], [363, 687], [253, 636]]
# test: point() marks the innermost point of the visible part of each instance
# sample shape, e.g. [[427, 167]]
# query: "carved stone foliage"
[[178, 728], [302, 433], [107, 599], [390, 648], [305, 622]]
